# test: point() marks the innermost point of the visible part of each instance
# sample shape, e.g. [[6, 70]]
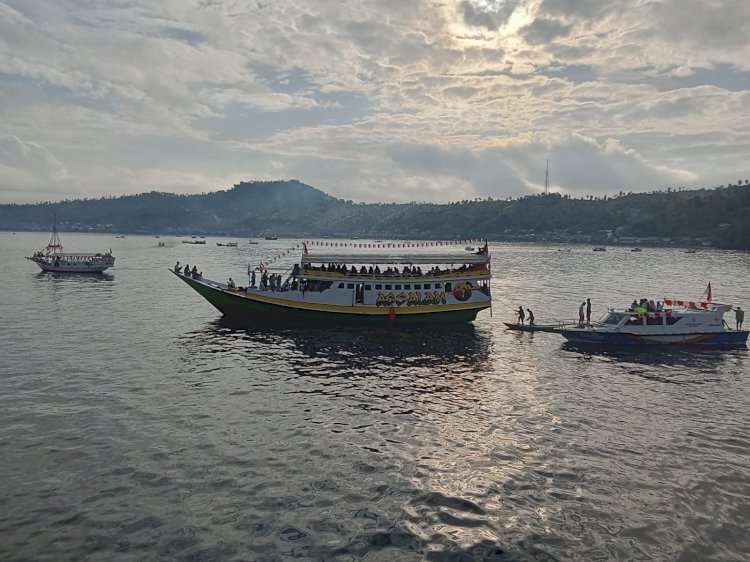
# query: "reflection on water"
[[666, 363], [356, 348], [149, 429], [72, 277], [405, 364]]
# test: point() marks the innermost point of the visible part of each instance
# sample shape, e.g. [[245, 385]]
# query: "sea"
[[135, 424]]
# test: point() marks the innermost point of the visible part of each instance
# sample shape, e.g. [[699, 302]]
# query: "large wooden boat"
[[52, 258], [360, 287]]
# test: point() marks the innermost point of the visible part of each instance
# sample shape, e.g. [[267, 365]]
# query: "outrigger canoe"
[[555, 328]]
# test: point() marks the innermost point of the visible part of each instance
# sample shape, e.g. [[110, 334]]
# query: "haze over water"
[[136, 425]]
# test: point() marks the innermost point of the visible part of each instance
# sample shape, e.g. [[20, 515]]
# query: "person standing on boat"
[[580, 312], [177, 267], [531, 317], [739, 316], [521, 315], [588, 311]]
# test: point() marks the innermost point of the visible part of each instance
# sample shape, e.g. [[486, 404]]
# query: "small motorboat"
[[636, 250], [228, 244], [600, 249], [674, 321]]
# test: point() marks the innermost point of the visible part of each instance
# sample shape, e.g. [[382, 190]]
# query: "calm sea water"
[[135, 425]]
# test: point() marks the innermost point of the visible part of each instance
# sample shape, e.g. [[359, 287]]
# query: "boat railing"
[[385, 277]]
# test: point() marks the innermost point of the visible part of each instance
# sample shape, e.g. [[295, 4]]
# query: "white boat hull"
[[73, 267]]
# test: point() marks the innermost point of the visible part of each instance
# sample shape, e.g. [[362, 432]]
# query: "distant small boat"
[[272, 237], [563, 249], [252, 242], [228, 244], [691, 251], [636, 250], [120, 236], [469, 248], [600, 249], [193, 241], [162, 244]]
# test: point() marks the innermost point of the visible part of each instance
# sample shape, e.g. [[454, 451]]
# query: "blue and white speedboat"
[[679, 322]]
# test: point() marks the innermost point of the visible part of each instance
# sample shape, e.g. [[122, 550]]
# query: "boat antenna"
[[546, 178]]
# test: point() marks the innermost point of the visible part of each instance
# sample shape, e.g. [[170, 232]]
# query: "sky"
[[378, 100]]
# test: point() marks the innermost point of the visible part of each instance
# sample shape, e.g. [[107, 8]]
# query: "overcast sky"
[[378, 100]]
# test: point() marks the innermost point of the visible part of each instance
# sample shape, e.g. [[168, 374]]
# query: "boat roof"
[[79, 254], [697, 307], [390, 258]]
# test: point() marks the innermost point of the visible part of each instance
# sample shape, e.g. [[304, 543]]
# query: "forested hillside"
[[290, 208]]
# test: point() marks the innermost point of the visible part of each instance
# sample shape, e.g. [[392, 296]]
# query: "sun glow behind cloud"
[[112, 98]]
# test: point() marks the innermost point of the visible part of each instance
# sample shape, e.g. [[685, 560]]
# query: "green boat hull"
[[238, 307]]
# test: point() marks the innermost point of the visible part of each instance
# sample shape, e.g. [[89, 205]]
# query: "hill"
[[717, 216]]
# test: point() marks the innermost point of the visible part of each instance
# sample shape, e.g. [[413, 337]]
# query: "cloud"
[[376, 101]]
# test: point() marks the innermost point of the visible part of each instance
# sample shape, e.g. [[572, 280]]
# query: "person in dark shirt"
[[521, 315], [588, 311], [739, 316], [531, 317]]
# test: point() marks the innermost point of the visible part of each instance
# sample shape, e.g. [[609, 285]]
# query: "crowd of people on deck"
[[646, 305], [406, 271]]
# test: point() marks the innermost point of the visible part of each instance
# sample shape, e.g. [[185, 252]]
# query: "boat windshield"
[[611, 318]]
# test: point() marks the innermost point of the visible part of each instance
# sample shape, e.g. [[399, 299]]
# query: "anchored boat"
[[679, 322], [52, 258], [360, 287]]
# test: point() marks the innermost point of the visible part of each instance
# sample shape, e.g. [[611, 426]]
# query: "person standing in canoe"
[[588, 311], [521, 315], [531, 317], [580, 313]]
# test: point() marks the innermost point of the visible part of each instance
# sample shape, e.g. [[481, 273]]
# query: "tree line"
[[291, 208]]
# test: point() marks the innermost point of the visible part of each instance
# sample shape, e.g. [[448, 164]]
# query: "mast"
[[54, 245], [546, 178]]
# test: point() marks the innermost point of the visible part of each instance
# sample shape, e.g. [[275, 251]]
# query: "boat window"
[[612, 319], [407, 287], [388, 287], [378, 287], [671, 320], [427, 286], [437, 285], [397, 287], [368, 287], [654, 321], [447, 287], [341, 285], [350, 285], [634, 321], [417, 287]]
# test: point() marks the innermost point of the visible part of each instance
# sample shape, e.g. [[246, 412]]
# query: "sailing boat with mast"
[[52, 258]]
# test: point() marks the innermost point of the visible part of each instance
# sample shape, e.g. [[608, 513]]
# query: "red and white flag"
[[707, 293]]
